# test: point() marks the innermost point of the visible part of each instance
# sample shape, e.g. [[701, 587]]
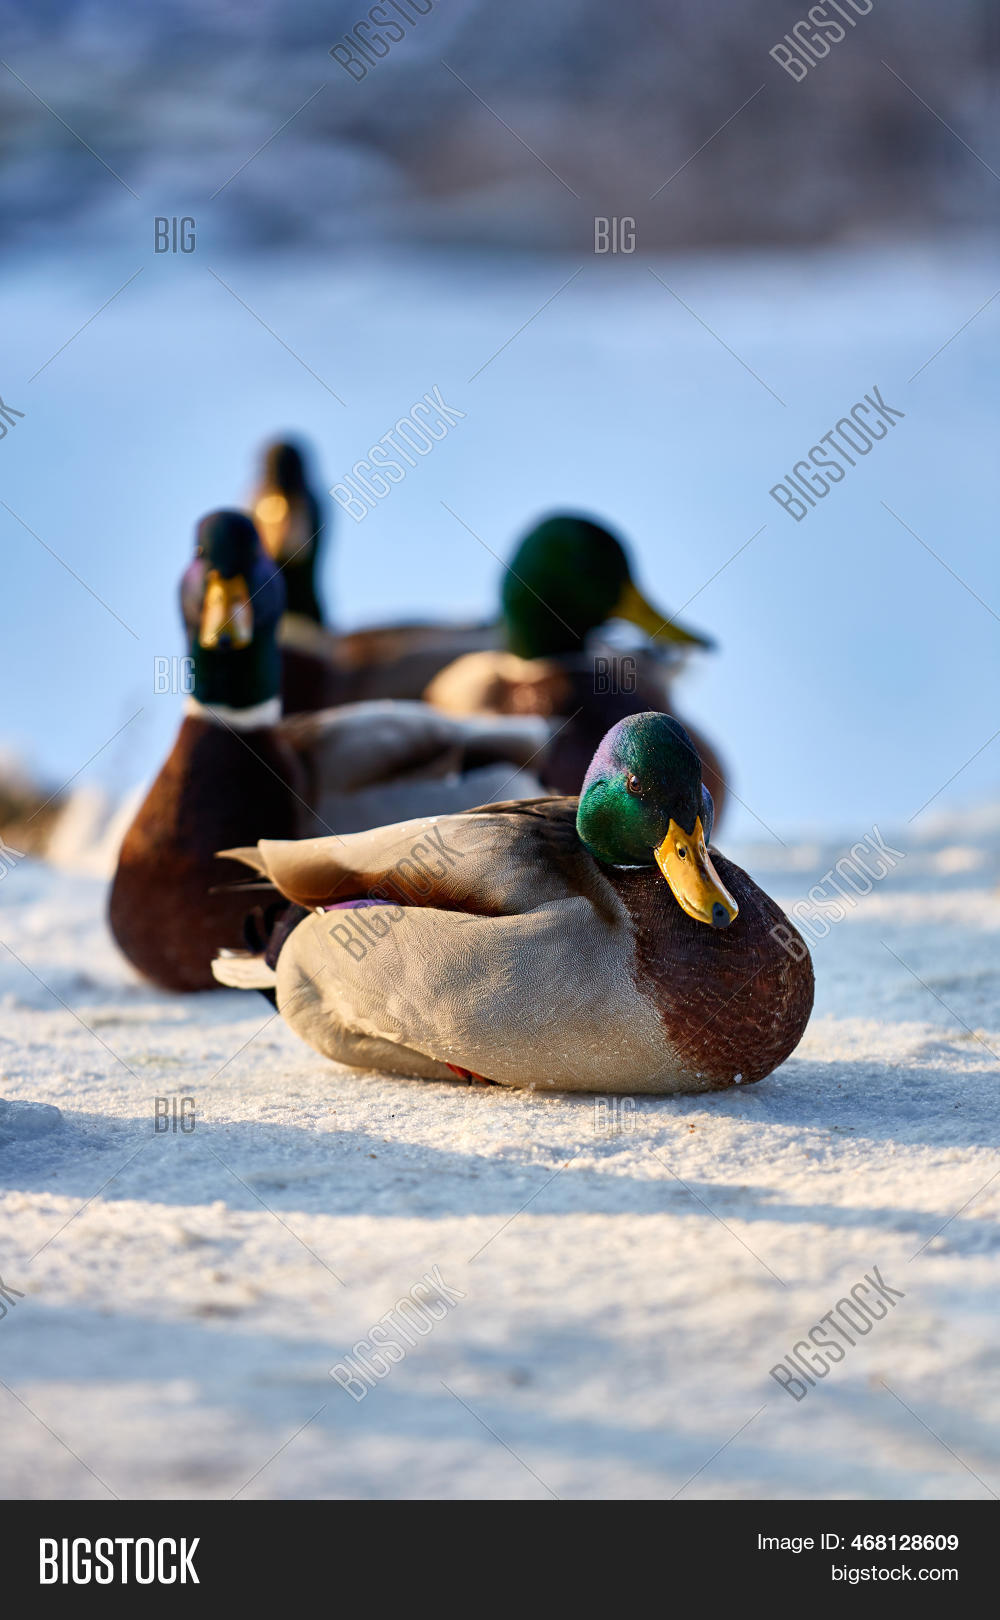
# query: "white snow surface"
[[173, 1303]]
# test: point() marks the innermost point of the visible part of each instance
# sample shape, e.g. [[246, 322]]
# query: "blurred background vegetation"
[[614, 100]]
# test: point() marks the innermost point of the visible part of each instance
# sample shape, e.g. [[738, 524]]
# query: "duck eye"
[[682, 851], [633, 784]]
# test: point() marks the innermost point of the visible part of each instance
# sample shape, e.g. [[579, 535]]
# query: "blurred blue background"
[[834, 235]]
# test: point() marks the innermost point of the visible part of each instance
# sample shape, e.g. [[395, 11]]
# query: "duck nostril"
[[720, 916]]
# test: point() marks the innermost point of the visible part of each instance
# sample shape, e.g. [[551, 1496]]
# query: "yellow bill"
[[694, 882], [633, 606], [271, 517], [226, 612]]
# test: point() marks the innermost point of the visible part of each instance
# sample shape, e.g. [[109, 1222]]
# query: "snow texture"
[[173, 1303]]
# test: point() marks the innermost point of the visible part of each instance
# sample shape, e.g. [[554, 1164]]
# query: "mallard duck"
[[290, 521], [590, 943], [239, 771], [229, 766], [567, 579]]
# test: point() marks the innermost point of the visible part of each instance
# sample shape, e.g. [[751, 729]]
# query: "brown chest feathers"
[[733, 1001], [216, 790]]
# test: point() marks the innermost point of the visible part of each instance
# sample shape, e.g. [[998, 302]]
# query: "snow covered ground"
[[173, 1303]]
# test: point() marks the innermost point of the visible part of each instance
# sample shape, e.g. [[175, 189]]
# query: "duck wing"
[[500, 949], [361, 744], [384, 661], [496, 860]]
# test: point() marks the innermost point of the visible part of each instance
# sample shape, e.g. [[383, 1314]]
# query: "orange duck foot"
[[469, 1074]]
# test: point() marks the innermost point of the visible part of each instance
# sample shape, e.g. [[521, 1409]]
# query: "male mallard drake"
[[537, 944], [238, 771], [228, 767], [569, 577], [290, 522]]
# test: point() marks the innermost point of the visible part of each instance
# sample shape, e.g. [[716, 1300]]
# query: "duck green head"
[[643, 802], [567, 577], [232, 597]]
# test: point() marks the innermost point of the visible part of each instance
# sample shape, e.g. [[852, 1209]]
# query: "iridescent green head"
[[643, 802], [232, 597], [568, 576]]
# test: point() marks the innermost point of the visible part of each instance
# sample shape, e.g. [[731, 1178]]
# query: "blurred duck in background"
[[322, 668], [290, 522], [568, 581], [229, 766], [238, 771]]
